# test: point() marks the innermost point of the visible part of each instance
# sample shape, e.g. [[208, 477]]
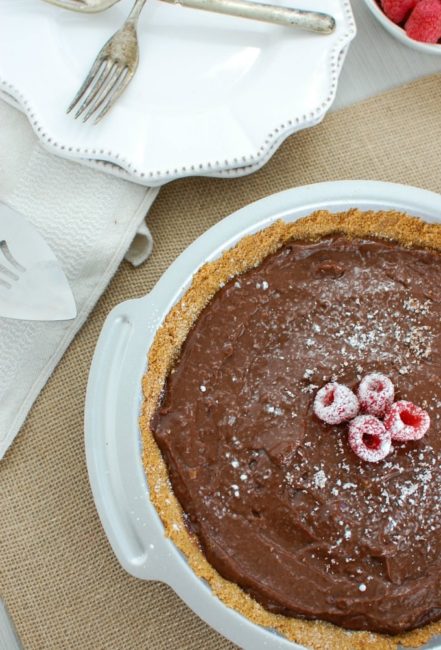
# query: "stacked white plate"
[[213, 95]]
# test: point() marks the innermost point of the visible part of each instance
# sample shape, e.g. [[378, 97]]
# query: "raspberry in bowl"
[[416, 23]]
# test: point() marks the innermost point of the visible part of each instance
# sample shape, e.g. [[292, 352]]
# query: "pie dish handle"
[[112, 441]]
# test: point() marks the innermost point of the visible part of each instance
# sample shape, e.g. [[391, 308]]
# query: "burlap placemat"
[[58, 574]]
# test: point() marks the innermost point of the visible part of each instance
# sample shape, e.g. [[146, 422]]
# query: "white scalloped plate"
[[212, 93]]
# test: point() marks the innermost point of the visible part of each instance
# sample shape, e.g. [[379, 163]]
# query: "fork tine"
[[88, 80], [108, 92], [111, 79], [8, 273], [102, 87], [114, 94], [4, 248], [99, 82]]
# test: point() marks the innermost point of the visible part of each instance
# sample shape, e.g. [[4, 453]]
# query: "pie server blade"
[[33, 285]]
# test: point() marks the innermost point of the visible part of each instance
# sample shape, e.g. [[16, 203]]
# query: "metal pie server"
[[8, 635], [33, 285]]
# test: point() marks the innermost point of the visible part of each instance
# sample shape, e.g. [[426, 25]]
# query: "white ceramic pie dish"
[[212, 93], [112, 437]]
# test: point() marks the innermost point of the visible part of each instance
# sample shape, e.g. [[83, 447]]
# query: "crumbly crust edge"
[[164, 351]]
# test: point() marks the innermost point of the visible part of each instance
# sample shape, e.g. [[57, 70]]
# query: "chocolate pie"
[[270, 504]]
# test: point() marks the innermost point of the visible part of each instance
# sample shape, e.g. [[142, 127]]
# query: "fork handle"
[[312, 21], [136, 10]]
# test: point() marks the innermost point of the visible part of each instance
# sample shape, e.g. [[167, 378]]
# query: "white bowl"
[[112, 437], [399, 32]]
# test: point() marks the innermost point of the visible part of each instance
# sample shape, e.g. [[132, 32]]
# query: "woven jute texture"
[[58, 575]]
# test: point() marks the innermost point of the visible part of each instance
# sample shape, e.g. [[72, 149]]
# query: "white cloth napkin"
[[91, 221]]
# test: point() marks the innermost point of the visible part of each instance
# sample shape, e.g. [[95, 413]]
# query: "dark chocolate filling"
[[279, 502]]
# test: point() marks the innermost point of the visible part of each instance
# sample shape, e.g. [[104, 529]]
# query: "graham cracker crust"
[[165, 349]]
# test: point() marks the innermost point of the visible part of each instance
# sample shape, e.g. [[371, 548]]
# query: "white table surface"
[[377, 61]]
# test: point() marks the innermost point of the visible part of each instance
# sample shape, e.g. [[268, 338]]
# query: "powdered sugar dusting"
[[320, 479], [258, 456]]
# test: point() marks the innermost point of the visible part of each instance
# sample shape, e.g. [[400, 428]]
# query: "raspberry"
[[424, 23], [405, 421], [369, 438], [398, 10], [376, 394], [335, 403]]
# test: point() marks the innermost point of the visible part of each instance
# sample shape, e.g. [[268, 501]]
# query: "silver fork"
[[111, 72]]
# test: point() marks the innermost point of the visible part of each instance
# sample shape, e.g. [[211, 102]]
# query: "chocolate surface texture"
[[277, 499]]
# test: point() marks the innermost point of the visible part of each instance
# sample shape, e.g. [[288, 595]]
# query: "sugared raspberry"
[[335, 403], [398, 10], [376, 394], [405, 421], [424, 23], [369, 439]]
